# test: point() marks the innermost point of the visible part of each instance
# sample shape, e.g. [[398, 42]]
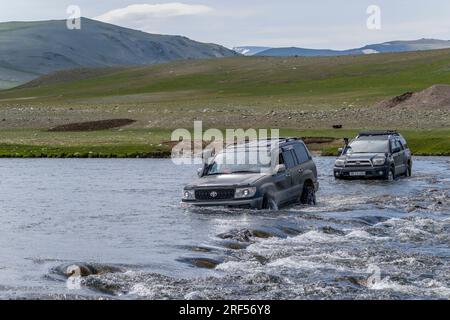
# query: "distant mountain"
[[251, 50], [31, 49], [404, 46], [293, 51], [393, 46]]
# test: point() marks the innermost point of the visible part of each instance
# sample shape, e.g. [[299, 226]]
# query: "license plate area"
[[358, 174]]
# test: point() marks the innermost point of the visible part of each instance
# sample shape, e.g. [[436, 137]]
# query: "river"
[[123, 218]]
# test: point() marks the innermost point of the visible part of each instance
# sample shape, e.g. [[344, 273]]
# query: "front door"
[[398, 154], [283, 180]]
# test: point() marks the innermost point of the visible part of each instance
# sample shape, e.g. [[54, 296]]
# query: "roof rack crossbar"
[[378, 133]]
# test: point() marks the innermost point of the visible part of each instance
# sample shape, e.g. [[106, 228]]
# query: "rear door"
[[306, 168], [291, 169]]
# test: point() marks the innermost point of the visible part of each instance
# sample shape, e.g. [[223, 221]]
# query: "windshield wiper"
[[244, 171]]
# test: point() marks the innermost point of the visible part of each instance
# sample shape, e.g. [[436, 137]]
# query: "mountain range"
[[393, 46], [31, 49]]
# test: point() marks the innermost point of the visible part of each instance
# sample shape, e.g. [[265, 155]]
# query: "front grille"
[[358, 163], [214, 194]]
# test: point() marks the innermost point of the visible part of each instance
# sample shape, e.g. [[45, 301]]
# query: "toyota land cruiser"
[[289, 176]]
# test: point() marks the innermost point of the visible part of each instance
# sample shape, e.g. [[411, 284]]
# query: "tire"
[[408, 170], [308, 195], [269, 203], [391, 175]]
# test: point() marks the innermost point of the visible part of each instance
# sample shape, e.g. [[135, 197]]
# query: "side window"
[[392, 145], [289, 161], [301, 153], [280, 159], [400, 144], [395, 144]]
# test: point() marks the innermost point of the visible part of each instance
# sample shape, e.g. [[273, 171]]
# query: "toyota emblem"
[[213, 194]]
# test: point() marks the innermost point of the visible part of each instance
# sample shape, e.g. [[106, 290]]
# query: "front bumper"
[[248, 203], [369, 172]]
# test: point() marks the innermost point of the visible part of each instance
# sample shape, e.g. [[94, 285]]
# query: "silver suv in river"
[[289, 176], [374, 154]]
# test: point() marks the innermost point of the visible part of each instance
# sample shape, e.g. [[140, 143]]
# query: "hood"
[[363, 156], [226, 180]]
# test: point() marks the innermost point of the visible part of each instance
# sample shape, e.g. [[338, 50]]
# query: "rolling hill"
[[31, 49], [302, 96], [316, 81]]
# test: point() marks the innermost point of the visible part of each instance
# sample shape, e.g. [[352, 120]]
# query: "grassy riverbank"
[[153, 143]]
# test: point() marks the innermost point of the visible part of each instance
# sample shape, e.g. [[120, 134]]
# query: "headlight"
[[339, 163], [379, 161], [188, 195], [244, 192]]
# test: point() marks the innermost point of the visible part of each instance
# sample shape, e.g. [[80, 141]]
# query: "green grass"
[[130, 143], [230, 85], [29, 143], [433, 142], [360, 80], [120, 151]]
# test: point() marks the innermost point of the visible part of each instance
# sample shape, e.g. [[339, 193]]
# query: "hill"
[[250, 50], [302, 82], [31, 49], [434, 97], [393, 46], [302, 96]]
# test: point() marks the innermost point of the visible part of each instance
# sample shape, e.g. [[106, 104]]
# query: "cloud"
[[141, 12]]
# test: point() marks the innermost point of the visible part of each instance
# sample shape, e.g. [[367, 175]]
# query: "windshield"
[[239, 162], [368, 146]]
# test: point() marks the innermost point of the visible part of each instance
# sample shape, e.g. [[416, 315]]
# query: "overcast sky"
[[332, 24]]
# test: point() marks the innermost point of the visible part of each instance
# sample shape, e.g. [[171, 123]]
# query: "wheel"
[[409, 170], [390, 175], [269, 203], [308, 195]]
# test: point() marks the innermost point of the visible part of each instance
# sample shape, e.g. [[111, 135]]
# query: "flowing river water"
[[121, 223]]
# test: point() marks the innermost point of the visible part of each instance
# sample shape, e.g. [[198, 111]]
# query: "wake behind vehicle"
[[374, 154], [289, 176]]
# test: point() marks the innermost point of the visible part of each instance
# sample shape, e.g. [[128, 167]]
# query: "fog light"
[[380, 173]]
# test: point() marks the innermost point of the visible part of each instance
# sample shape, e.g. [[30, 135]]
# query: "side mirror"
[[340, 150], [280, 168], [207, 155], [200, 172]]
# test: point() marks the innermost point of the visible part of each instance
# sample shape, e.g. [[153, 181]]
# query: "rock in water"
[[85, 269]]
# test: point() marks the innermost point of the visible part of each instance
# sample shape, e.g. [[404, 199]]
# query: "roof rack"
[[280, 139], [378, 133], [259, 142]]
